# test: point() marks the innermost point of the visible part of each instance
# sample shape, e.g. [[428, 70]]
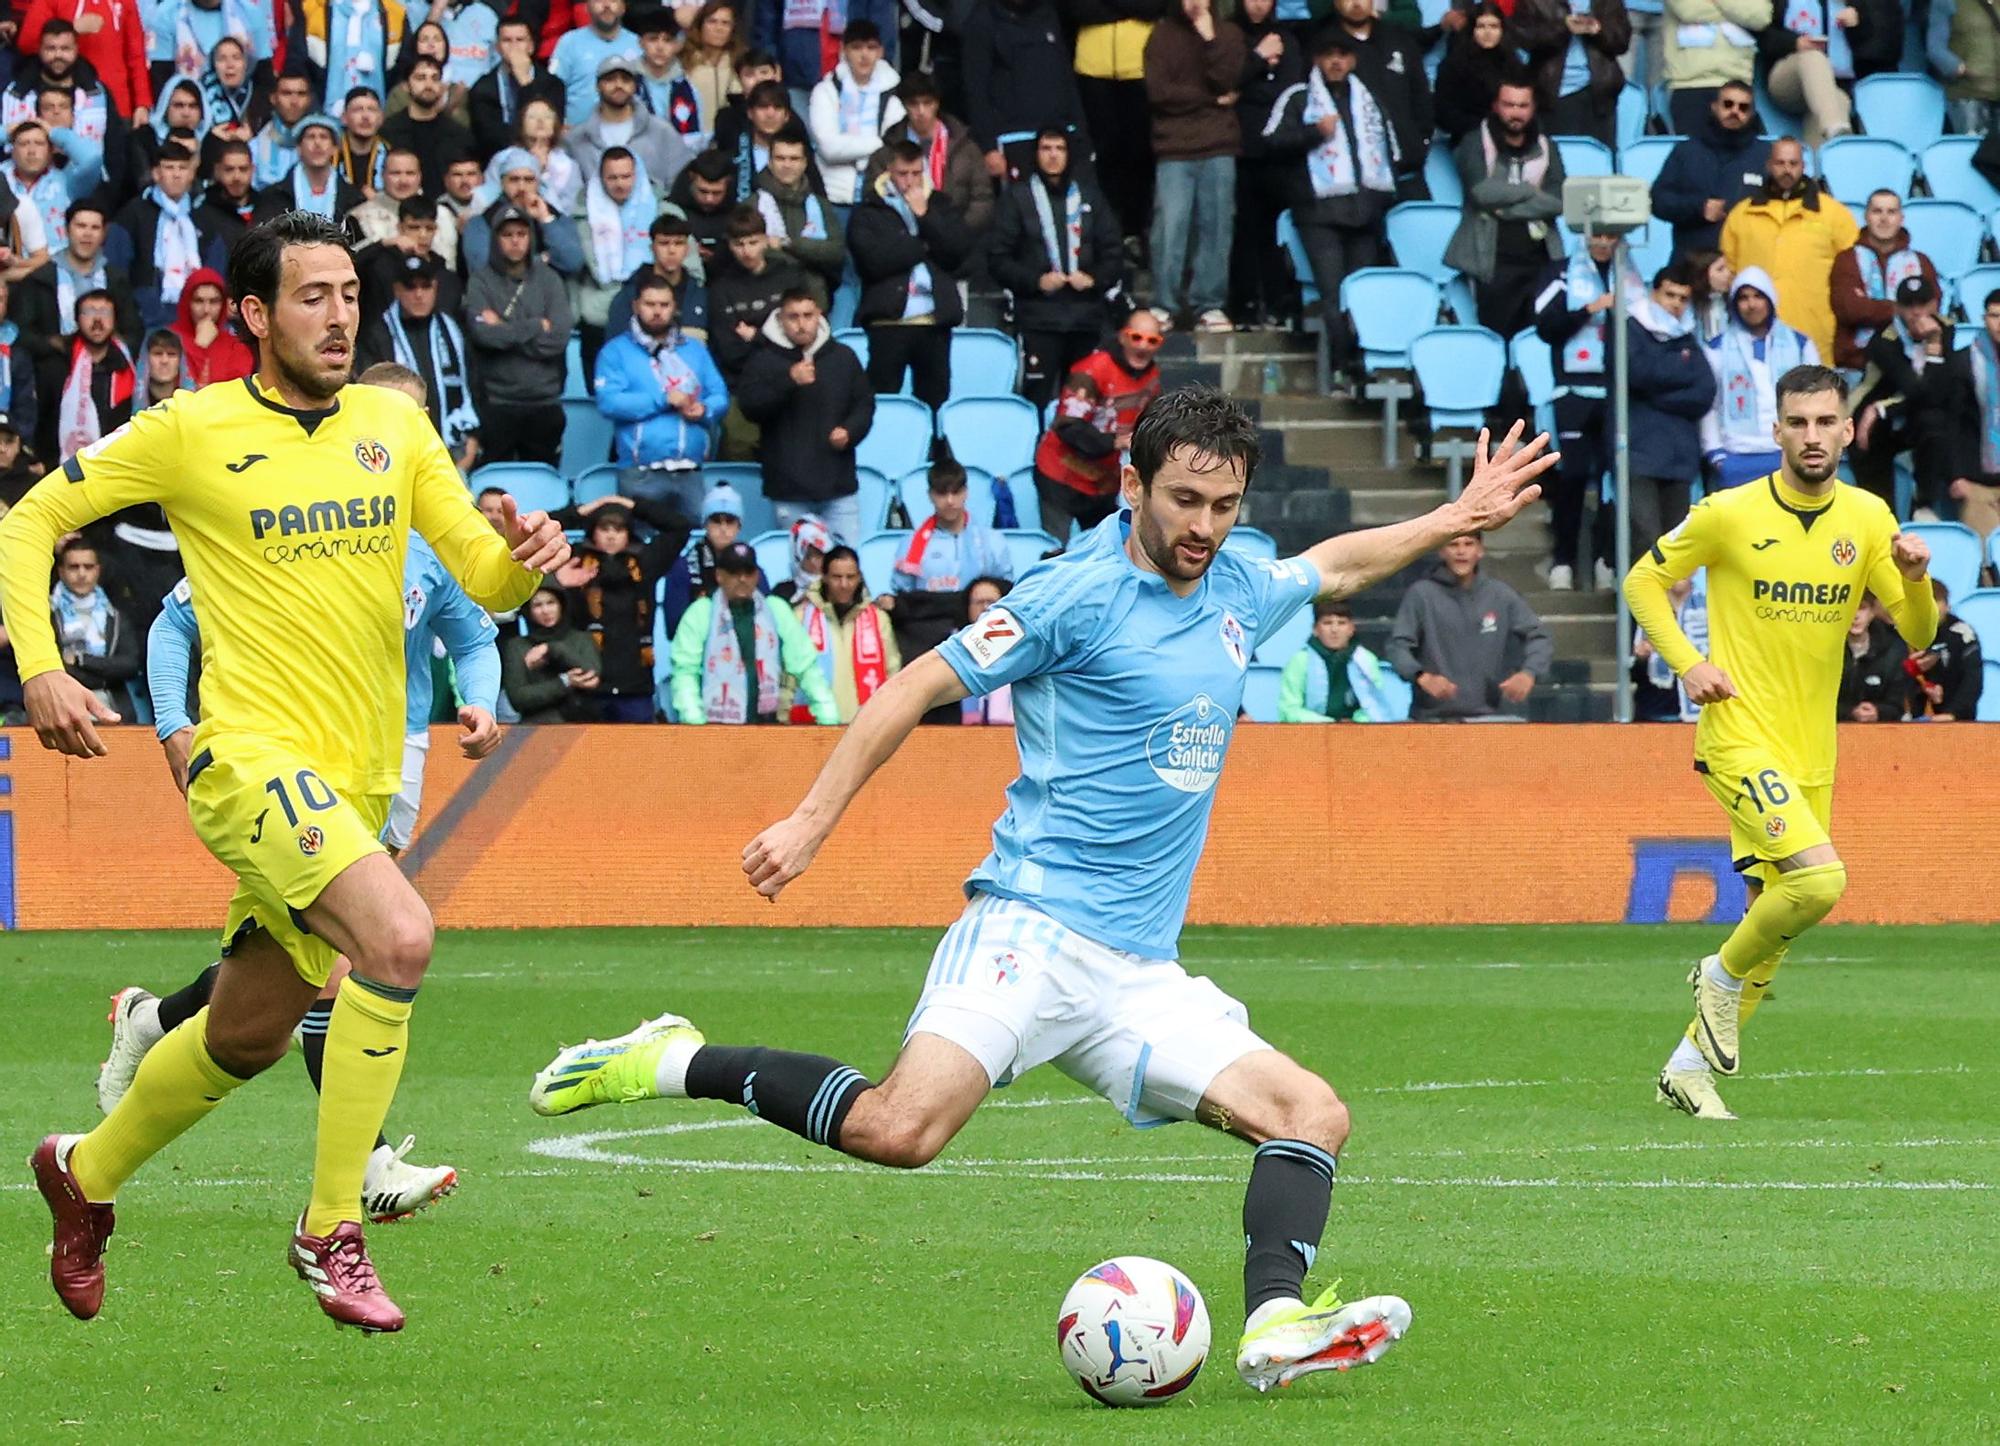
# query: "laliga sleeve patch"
[[993, 636]]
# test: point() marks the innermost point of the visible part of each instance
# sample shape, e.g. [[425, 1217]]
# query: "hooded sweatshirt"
[[1795, 238], [1746, 369], [1476, 636], [847, 121], [800, 464], [225, 358]]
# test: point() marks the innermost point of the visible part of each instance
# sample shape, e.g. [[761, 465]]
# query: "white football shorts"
[[409, 799]]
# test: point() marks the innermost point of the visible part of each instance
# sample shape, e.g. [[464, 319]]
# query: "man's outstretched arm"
[[784, 850], [1500, 486]]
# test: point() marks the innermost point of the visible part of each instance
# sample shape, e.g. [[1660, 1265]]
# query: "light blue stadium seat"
[[1295, 250], [1251, 542], [914, 488], [1277, 649], [1993, 552], [1949, 232], [1441, 176], [871, 498], [1633, 109], [1260, 693], [1776, 122], [1459, 300], [1418, 233], [748, 479], [1459, 370], [1989, 691], [1662, 108], [1907, 108], [1646, 156], [1949, 175], [900, 438], [774, 554], [984, 363], [856, 341], [879, 555], [1026, 547], [996, 433], [1852, 166], [1585, 156], [1651, 249], [1027, 501], [1955, 554], [595, 482], [1981, 611], [535, 488], [1389, 306], [587, 434], [575, 383], [1970, 289], [1536, 363]]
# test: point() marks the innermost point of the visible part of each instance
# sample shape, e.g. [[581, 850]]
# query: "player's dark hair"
[[918, 85], [233, 148], [515, 21], [1332, 607], [797, 293], [257, 259], [431, 60], [904, 151], [486, 492], [359, 92], [77, 208], [30, 124], [417, 208], [55, 87], [1681, 273], [1001, 583], [756, 59], [947, 475], [1810, 382], [96, 294], [614, 153], [1203, 423], [668, 225], [78, 543], [170, 151], [650, 280], [744, 222], [1514, 77], [1742, 85], [1992, 300], [1051, 133], [791, 138], [768, 93], [840, 552], [712, 166], [858, 31]]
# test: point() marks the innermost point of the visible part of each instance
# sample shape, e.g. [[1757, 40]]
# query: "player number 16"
[[1774, 791]]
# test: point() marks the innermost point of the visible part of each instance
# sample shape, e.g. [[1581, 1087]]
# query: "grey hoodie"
[[1475, 636]]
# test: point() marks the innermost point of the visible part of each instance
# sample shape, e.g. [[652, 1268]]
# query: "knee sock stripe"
[[820, 1114], [394, 993], [1311, 1156]]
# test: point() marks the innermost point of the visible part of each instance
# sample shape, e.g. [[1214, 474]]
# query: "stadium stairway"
[[1323, 474]]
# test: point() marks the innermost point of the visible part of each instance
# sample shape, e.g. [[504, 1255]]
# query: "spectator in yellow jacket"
[[1793, 229]]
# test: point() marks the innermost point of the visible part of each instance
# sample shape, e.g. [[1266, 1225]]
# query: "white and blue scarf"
[[1986, 382], [456, 417], [49, 195], [1330, 164], [1779, 349], [159, 121], [1814, 20], [220, 104], [189, 56], [620, 231], [1880, 278], [9, 334], [82, 624], [1584, 351], [725, 678], [176, 244], [303, 198], [356, 47], [861, 105], [814, 227], [275, 149], [672, 371], [69, 286], [1062, 246], [921, 292]]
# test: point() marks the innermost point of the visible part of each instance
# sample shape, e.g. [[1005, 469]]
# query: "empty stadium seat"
[[1949, 232], [1981, 611], [1633, 112], [984, 363], [1651, 250], [1388, 306], [878, 558], [1536, 363], [1026, 546], [534, 487], [1949, 175], [1852, 166], [900, 438], [1646, 157], [913, 488], [1955, 553], [595, 482], [1459, 370], [575, 383], [996, 433], [856, 341], [1460, 301], [1584, 156], [1251, 542], [1294, 248], [587, 435], [1441, 176], [1418, 233], [871, 498], [1909, 108], [1971, 288], [774, 554], [1989, 692], [1027, 501], [1260, 693]]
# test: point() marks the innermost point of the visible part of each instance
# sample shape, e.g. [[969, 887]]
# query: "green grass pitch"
[[1584, 1264]]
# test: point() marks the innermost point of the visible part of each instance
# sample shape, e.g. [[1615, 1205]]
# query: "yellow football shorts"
[[285, 834], [1770, 817]]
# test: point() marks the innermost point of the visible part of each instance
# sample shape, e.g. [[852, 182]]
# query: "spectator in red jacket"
[[1077, 463], [204, 322], [111, 38]]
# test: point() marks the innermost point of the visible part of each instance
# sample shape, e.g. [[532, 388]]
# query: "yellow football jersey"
[[1785, 575], [292, 526]]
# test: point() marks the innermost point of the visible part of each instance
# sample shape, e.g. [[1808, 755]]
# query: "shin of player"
[[1789, 557]]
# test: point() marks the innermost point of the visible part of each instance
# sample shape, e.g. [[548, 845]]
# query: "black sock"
[[1284, 1213], [807, 1094], [312, 1044], [182, 1005]]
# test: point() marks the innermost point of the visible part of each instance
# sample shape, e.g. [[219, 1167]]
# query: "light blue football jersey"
[[1125, 699], [436, 607]]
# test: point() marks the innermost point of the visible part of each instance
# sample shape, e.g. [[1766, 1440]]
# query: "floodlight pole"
[[1621, 473]]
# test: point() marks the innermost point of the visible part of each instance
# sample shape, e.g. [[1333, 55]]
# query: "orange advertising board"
[[570, 826]]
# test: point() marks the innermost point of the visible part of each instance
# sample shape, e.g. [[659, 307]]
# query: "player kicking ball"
[[292, 496], [1788, 557], [436, 611], [1127, 657]]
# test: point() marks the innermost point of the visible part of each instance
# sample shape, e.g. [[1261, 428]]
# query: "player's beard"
[[1815, 472], [303, 371], [1163, 551]]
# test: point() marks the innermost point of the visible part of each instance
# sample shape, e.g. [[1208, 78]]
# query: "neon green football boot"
[[613, 1071], [1283, 1341]]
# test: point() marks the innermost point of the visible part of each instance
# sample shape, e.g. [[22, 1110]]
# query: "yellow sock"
[[177, 1084], [366, 1039], [1790, 904]]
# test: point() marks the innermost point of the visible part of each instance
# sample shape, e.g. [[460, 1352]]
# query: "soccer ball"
[[1133, 1331]]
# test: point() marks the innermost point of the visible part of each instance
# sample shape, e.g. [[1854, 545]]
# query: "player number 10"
[[1775, 792], [315, 794]]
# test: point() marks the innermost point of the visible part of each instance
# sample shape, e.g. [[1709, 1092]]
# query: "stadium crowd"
[[747, 221]]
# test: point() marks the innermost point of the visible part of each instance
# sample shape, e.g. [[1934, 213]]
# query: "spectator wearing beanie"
[[519, 317], [734, 651]]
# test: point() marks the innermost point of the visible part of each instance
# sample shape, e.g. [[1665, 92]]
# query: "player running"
[[292, 496], [1788, 557], [436, 612], [1127, 657]]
